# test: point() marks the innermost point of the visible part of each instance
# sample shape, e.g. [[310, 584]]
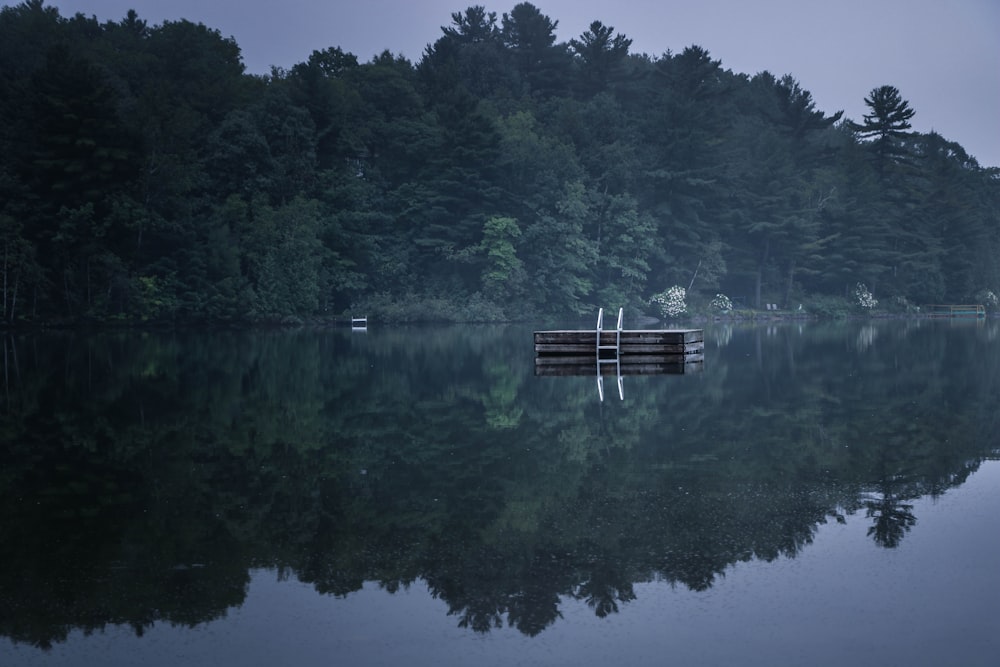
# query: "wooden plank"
[[651, 336], [685, 348], [626, 349], [564, 348], [635, 360], [642, 337], [640, 359], [609, 369], [662, 337]]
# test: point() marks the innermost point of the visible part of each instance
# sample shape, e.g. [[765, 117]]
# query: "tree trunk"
[[5, 246], [69, 302], [760, 273], [791, 282], [13, 297], [6, 378]]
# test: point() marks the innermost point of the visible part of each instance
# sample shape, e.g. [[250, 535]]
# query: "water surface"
[[818, 494]]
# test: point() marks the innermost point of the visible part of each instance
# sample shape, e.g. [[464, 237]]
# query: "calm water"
[[818, 494]]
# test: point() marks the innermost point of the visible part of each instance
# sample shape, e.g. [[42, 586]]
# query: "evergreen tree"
[[885, 124], [602, 55], [530, 37]]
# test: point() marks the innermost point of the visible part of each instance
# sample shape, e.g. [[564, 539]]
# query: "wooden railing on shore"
[[954, 310]]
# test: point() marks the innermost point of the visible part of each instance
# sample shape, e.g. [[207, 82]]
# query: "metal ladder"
[[617, 358]]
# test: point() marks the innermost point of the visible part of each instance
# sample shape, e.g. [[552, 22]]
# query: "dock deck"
[[622, 352]]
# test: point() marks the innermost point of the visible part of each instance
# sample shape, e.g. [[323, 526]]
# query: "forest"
[[146, 177]]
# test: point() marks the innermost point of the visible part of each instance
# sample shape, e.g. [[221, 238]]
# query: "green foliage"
[[503, 278], [830, 307], [283, 257], [144, 175], [602, 55]]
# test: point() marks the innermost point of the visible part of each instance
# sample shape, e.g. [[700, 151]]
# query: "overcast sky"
[[943, 56]]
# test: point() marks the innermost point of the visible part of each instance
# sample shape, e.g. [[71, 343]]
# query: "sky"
[[944, 57]]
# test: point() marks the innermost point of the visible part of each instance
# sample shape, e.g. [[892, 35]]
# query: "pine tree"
[[887, 123]]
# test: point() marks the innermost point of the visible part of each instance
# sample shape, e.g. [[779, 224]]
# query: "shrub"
[[671, 302], [988, 298], [722, 303], [834, 307], [863, 298]]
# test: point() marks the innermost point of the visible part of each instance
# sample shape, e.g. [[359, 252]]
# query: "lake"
[[821, 494]]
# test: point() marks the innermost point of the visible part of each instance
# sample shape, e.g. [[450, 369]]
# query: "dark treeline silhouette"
[[145, 176]]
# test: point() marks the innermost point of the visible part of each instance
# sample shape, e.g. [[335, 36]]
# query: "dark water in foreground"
[[818, 494]]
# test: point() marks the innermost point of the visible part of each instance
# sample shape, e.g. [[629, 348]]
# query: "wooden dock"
[[619, 352], [639, 352]]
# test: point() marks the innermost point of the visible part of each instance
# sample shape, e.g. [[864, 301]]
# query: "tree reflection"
[[603, 590], [143, 477], [893, 519]]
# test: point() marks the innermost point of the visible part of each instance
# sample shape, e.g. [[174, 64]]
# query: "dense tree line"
[[145, 176]]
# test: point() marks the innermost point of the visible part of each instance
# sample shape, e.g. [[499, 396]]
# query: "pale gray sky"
[[944, 57]]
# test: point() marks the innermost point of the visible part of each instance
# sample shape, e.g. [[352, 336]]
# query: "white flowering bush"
[[864, 298], [989, 298], [900, 304], [671, 302], [722, 303]]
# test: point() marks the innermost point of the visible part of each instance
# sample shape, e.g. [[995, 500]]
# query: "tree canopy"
[[145, 176]]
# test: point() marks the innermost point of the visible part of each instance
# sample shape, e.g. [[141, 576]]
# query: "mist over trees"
[[145, 176]]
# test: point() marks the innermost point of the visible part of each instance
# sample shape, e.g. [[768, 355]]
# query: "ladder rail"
[[616, 360], [618, 337], [600, 327]]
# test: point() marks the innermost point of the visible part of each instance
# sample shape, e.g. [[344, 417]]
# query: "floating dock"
[[639, 352], [619, 352]]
